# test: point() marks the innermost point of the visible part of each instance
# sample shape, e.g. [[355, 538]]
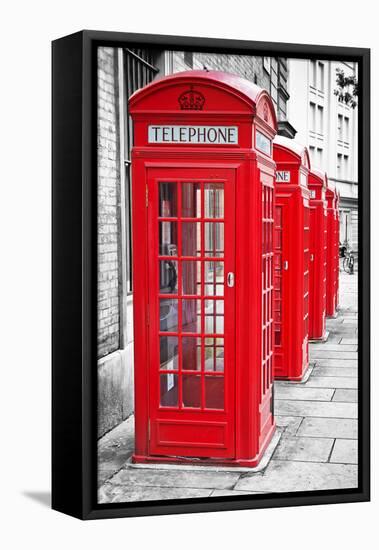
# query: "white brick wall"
[[108, 204]]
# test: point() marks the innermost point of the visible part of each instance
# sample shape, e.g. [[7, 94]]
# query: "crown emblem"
[[191, 100]]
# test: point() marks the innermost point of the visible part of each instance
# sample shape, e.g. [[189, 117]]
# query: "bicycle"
[[348, 263]]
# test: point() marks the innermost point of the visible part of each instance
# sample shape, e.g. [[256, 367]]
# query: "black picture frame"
[[74, 276]]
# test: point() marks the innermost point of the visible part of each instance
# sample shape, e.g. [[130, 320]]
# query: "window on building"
[[340, 127], [282, 107], [345, 166], [346, 129], [139, 70], [320, 119], [312, 153], [267, 64], [319, 157], [274, 81], [339, 165], [312, 124], [274, 93], [313, 73], [188, 59], [320, 80]]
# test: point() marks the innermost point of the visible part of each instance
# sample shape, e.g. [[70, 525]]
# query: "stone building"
[[329, 129], [120, 73]]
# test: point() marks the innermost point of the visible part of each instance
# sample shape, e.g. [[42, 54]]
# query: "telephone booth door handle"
[[312, 258], [230, 279], [285, 265]]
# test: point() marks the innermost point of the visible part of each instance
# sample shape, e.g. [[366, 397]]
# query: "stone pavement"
[[315, 447]]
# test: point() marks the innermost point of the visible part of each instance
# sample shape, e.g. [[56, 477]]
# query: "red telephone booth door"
[[291, 348], [191, 221], [317, 273], [280, 275]]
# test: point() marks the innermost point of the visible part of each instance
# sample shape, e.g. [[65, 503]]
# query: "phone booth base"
[[203, 184], [237, 463], [323, 338]]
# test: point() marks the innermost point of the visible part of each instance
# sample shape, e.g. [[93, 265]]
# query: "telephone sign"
[[220, 135], [262, 143], [282, 176]]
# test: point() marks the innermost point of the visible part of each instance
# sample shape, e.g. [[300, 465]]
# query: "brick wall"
[[108, 203]]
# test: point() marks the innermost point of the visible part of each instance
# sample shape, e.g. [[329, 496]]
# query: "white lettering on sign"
[[262, 143], [220, 135], [283, 177]]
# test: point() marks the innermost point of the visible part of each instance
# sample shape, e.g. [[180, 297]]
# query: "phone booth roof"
[[289, 150], [317, 178], [330, 192], [202, 95]]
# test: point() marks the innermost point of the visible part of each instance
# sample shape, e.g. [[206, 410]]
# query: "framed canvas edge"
[[74, 275]]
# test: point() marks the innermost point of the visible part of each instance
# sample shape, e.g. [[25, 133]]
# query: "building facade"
[[120, 73], [329, 129]]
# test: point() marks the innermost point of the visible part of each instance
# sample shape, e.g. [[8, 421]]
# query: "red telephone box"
[[317, 263], [203, 193], [332, 250], [291, 247], [337, 256]]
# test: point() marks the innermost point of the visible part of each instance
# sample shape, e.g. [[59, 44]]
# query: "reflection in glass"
[[191, 277], [214, 316], [191, 200], [168, 315], [168, 277], [214, 392], [168, 238], [214, 278], [191, 239], [169, 390], [214, 200], [214, 354], [191, 315], [191, 353], [167, 200], [168, 352], [191, 390], [214, 239]]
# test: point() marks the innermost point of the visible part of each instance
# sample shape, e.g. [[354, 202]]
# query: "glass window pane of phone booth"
[[191, 200], [168, 200]]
